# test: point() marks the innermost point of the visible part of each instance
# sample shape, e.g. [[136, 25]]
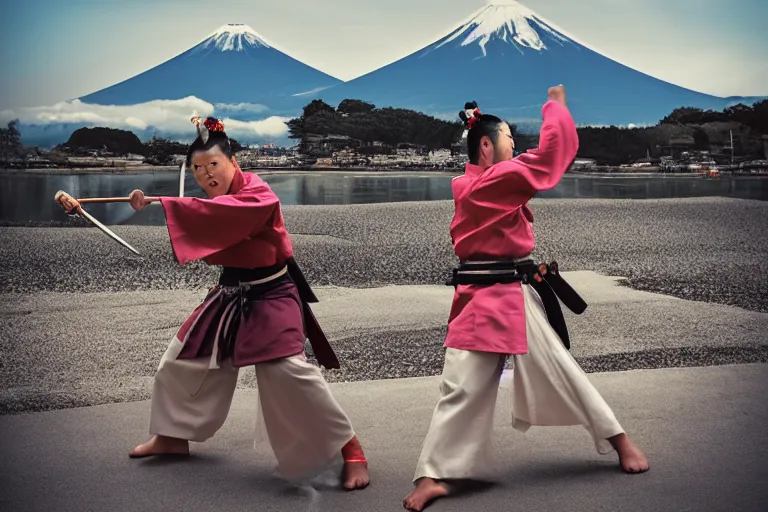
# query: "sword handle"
[[150, 199]]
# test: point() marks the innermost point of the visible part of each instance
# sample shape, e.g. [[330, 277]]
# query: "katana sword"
[[181, 177], [87, 216], [105, 229]]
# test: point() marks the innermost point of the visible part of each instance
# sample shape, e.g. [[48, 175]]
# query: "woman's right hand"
[[138, 202]]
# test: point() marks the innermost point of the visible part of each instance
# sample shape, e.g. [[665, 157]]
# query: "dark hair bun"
[[471, 114], [213, 125]]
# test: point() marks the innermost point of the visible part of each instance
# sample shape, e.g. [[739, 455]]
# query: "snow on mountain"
[[235, 37], [233, 65], [512, 23], [505, 56]]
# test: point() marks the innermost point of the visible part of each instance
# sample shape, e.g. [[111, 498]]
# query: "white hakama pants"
[[305, 425], [548, 388]]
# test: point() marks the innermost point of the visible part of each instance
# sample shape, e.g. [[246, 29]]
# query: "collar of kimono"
[[238, 180], [473, 170]]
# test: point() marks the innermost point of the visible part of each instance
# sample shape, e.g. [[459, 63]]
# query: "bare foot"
[[356, 475], [632, 460], [426, 491], [161, 445]]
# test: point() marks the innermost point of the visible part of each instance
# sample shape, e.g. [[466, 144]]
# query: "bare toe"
[[160, 445], [356, 475], [426, 491]]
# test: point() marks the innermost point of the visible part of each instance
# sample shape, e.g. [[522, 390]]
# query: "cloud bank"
[[168, 117]]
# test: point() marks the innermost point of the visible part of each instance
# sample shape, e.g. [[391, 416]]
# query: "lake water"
[[28, 197]]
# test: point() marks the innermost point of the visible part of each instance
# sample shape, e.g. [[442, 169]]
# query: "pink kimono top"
[[243, 229], [492, 221]]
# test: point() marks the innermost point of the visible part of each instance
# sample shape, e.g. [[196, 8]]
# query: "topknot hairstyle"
[[470, 114], [213, 135], [213, 124]]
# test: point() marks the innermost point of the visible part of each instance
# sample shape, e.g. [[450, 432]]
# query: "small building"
[[583, 163], [328, 144], [459, 148]]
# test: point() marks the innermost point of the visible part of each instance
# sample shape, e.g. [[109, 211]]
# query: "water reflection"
[[29, 197]]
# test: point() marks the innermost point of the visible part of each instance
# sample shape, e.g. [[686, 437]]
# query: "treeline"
[[364, 122], [703, 130], [755, 117], [10, 142], [156, 151], [611, 145]]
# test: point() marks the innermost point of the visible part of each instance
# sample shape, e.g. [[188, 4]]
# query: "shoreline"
[[150, 170]]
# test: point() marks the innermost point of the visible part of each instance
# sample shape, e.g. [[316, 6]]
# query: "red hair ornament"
[[472, 117], [214, 125], [211, 124]]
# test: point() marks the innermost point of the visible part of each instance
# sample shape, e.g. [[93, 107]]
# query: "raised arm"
[[201, 227], [516, 181]]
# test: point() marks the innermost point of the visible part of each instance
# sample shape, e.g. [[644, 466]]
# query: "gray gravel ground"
[[710, 249]]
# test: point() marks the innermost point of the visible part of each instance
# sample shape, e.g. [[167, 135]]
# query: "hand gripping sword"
[[202, 131]]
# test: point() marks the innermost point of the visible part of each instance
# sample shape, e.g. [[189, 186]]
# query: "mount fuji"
[[232, 73], [233, 65], [505, 57]]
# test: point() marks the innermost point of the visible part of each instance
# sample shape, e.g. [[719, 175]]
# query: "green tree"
[[355, 107], [700, 139], [160, 151], [236, 146], [317, 106], [10, 141], [119, 142]]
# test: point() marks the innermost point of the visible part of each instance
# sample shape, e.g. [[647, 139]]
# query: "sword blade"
[[181, 178], [105, 229]]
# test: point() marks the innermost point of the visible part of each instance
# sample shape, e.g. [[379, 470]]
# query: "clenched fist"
[[557, 93], [66, 201], [138, 202]]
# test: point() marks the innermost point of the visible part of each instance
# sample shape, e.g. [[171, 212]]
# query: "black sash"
[[544, 278], [320, 346]]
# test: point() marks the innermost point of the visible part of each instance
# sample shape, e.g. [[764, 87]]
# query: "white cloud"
[[254, 108], [317, 89], [171, 117], [630, 126]]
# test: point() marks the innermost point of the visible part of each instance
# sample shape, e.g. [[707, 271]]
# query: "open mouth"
[[213, 183]]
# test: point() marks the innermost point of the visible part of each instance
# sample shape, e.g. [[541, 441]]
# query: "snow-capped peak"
[[508, 20], [234, 37]]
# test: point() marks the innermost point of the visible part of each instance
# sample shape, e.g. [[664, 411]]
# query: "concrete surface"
[[703, 430]]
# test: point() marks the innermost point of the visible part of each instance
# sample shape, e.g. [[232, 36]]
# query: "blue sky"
[[55, 50]]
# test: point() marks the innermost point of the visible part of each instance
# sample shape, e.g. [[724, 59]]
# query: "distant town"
[[358, 136]]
